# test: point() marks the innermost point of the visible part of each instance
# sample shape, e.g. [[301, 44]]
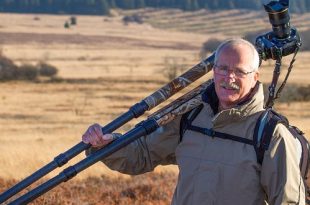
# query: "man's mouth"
[[229, 86]]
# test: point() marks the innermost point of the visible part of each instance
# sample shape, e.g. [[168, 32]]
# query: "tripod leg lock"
[[69, 173], [61, 159], [149, 125], [139, 108]]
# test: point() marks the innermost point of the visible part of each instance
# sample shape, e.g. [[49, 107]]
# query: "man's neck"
[[224, 107]]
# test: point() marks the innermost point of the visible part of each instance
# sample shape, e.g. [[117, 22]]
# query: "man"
[[214, 170]]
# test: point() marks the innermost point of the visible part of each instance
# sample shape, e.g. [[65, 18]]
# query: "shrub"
[[73, 20], [67, 25], [47, 69], [172, 67], [10, 71], [27, 72], [291, 93], [135, 18], [36, 18], [209, 46], [7, 69], [305, 39]]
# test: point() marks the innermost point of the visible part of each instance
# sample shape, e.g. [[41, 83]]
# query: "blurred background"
[[65, 64]]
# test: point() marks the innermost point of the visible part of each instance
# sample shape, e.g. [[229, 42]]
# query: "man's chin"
[[229, 94]]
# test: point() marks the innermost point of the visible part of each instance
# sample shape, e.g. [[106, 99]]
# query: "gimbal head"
[[282, 40]]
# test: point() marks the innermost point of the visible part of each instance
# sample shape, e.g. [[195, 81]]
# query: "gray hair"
[[238, 41]]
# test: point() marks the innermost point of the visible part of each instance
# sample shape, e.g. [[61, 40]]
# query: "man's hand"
[[95, 137]]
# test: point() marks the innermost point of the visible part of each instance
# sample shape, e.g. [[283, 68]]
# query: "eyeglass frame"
[[243, 73]]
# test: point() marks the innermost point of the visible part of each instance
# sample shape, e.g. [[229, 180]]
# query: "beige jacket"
[[214, 171]]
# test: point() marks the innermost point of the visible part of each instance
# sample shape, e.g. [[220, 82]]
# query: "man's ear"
[[256, 77]]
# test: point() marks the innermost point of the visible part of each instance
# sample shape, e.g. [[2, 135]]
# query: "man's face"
[[233, 87]]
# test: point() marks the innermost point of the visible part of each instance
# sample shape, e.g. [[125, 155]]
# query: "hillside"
[[229, 23]]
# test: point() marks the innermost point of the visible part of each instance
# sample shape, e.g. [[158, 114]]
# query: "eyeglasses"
[[224, 71]]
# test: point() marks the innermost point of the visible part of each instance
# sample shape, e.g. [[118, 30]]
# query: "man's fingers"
[[98, 131], [107, 137], [85, 139], [95, 137]]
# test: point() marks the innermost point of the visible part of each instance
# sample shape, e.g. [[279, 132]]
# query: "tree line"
[[102, 7]]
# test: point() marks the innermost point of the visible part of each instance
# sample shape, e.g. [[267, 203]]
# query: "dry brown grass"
[[149, 189], [107, 67]]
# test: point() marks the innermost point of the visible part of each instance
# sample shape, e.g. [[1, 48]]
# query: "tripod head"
[[282, 40]]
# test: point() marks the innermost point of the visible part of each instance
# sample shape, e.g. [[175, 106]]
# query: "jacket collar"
[[253, 104], [209, 96]]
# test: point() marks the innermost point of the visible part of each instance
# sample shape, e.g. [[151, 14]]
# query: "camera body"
[[269, 46], [282, 40]]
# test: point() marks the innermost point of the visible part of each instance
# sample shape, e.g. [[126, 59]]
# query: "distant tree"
[[22, 4], [258, 3], [105, 7], [102, 7], [27, 72], [126, 4], [35, 3], [203, 4], [139, 4], [298, 6], [112, 4], [231, 4], [46, 69], [293, 6], [195, 5], [67, 6], [135, 18], [168, 3], [209, 46], [67, 25], [186, 5], [214, 5], [8, 69], [247, 4], [73, 20], [305, 36], [153, 3], [307, 5]]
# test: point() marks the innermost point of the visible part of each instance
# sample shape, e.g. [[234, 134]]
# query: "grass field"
[[106, 67]]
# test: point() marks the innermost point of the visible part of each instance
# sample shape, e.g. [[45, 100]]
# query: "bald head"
[[235, 71], [233, 44]]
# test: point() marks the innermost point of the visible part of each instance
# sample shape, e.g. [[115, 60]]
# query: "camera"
[[282, 40]]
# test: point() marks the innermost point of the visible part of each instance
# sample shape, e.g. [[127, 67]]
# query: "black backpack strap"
[[305, 160], [263, 131], [187, 119], [212, 133]]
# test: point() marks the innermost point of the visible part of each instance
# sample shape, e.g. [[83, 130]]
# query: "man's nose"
[[231, 74]]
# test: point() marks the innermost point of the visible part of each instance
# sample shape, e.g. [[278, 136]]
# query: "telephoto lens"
[[279, 17]]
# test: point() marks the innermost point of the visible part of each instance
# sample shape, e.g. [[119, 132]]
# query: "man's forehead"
[[242, 67], [234, 63], [240, 49], [236, 55]]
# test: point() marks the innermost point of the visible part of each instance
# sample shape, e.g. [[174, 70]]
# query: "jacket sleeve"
[[144, 154], [280, 173]]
